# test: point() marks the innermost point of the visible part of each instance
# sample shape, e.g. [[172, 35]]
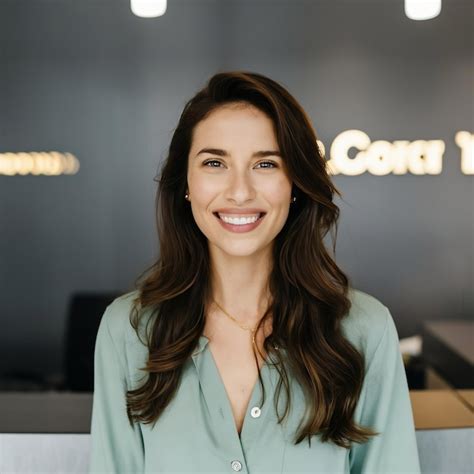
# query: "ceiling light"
[[148, 8], [422, 9]]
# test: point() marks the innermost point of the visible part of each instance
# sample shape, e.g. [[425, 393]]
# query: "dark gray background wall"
[[92, 79]]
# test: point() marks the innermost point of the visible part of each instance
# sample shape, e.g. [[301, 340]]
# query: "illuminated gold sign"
[[381, 157], [50, 163], [419, 157], [465, 141]]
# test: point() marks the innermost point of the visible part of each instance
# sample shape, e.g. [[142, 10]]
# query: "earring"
[[293, 199], [186, 196]]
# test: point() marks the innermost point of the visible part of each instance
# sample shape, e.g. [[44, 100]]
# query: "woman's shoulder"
[[129, 346], [366, 322], [118, 315]]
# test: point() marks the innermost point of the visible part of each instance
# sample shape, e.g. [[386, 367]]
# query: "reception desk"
[[50, 432]]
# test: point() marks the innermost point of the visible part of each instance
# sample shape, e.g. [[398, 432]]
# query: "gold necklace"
[[252, 331]]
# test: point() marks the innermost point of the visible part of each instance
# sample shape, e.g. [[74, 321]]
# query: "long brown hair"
[[309, 291]]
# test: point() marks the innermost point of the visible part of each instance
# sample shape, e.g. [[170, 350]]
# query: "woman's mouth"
[[240, 224]]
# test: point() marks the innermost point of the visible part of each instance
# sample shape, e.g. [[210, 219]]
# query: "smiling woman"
[[244, 301], [243, 137]]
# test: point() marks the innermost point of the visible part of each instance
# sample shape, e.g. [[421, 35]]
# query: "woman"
[[244, 347]]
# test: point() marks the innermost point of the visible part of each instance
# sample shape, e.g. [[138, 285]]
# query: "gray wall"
[[90, 78]]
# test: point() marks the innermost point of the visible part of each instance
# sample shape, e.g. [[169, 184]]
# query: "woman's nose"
[[240, 187]]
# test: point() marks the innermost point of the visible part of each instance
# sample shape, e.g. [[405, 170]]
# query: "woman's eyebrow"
[[257, 154]]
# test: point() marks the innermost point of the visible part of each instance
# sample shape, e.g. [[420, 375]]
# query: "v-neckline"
[[252, 392], [203, 345]]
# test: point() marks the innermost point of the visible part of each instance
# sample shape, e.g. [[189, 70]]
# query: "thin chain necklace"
[[252, 331]]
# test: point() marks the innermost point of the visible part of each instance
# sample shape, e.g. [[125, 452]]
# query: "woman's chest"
[[197, 432], [238, 377]]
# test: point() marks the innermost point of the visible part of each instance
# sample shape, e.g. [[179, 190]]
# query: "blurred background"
[[90, 93]]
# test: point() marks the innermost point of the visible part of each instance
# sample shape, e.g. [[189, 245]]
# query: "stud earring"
[[186, 196], [293, 199]]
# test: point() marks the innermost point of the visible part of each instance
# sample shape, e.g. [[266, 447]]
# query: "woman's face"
[[233, 177]]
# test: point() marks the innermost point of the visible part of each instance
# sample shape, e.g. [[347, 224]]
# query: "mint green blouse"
[[197, 434]]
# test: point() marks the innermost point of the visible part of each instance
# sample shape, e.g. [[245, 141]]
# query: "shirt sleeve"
[[116, 447], [386, 408]]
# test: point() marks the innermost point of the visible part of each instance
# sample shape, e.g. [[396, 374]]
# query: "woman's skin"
[[240, 262]]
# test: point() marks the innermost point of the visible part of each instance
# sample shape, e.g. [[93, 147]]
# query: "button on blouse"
[[255, 412], [236, 466]]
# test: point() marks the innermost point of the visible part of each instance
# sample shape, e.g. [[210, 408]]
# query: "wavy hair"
[[309, 291]]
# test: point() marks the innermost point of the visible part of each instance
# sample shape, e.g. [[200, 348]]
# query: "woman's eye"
[[262, 162], [211, 161], [268, 162]]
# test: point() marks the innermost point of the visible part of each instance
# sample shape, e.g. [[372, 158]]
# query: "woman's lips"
[[240, 228]]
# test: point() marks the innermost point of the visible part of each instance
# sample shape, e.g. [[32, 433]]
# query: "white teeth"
[[239, 220]]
